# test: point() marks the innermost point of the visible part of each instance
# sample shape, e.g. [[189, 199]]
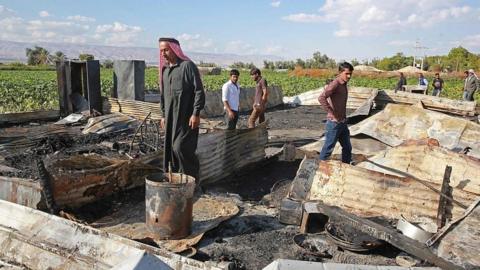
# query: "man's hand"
[[162, 122], [194, 122], [231, 115]]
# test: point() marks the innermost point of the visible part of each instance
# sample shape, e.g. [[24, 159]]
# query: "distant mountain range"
[[15, 51]]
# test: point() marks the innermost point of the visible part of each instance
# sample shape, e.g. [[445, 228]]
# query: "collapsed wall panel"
[[427, 161], [399, 123], [373, 193]]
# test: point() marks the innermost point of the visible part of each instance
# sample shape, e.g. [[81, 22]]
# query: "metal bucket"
[[169, 205]]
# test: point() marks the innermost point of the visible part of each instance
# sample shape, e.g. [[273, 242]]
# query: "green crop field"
[[30, 90]]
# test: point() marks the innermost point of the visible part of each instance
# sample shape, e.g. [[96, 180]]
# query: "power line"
[[419, 54]]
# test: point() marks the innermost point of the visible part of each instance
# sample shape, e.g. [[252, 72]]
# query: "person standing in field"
[[261, 98], [437, 84], [231, 99], [401, 82], [422, 82], [334, 101], [471, 85], [181, 99]]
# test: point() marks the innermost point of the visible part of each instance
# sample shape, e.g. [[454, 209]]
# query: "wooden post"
[[443, 203]]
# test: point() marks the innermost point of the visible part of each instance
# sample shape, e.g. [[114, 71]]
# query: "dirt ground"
[[287, 117]]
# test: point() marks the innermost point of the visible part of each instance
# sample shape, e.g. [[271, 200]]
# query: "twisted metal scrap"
[[147, 136]]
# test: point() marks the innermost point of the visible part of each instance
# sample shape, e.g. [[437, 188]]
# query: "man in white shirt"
[[231, 99]]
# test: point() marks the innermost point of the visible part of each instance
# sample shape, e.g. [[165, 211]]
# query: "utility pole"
[[419, 54]]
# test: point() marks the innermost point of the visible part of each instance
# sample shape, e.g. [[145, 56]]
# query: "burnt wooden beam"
[[380, 232], [443, 203], [24, 117]]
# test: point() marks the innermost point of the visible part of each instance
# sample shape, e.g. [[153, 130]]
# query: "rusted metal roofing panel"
[[81, 179], [372, 193], [37, 240], [427, 161], [399, 123]]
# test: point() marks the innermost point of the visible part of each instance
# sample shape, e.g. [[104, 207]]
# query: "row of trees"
[[41, 56], [242, 65], [317, 61], [458, 59]]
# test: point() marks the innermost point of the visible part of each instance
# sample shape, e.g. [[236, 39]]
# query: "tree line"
[[458, 59], [38, 56]]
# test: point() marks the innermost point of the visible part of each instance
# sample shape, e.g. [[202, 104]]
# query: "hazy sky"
[[343, 29]]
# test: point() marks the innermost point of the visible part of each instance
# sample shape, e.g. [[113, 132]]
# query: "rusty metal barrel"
[[169, 204]]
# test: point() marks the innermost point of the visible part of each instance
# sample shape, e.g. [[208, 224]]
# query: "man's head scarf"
[[177, 50]]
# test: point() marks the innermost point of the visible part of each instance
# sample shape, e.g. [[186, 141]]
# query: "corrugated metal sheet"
[[399, 123], [37, 240], [134, 108], [224, 151], [373, 193], [427, 161]]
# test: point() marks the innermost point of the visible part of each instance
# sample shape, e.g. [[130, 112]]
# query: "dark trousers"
[[337, 132], [468, 95], [231, 123], [257, 113]]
